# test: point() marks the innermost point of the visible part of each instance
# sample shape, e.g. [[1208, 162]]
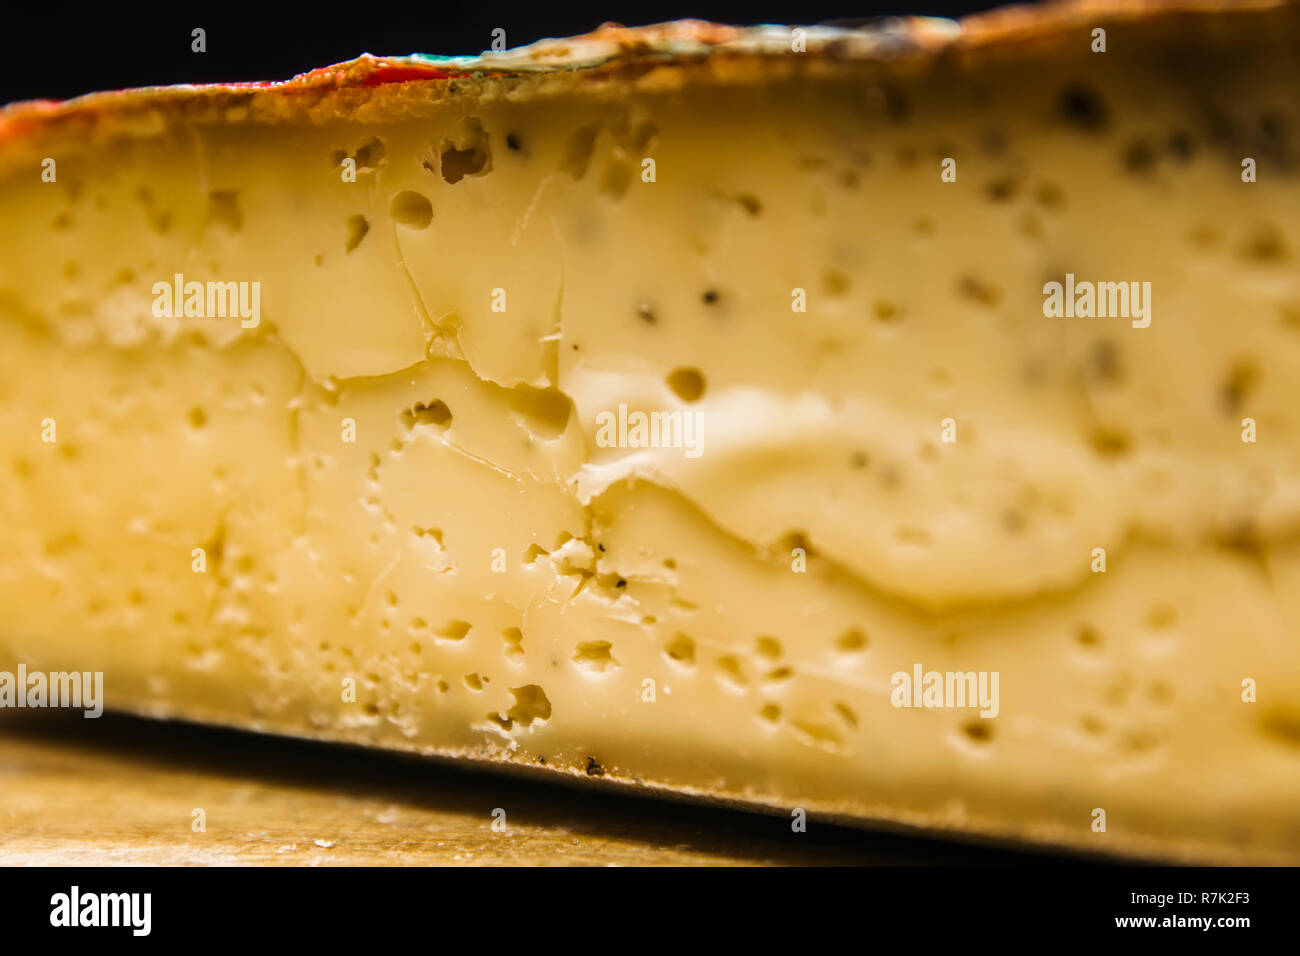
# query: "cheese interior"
[[500, 585]]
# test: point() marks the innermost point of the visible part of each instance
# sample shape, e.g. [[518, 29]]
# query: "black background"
[[56, 50], [347, 911]]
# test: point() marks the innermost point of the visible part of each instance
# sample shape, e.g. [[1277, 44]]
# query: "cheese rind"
[[412, 535]]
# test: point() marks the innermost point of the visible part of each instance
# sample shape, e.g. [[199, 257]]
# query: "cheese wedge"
[[895, 426]]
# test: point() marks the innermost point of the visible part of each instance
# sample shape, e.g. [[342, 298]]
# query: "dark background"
[[55, 50]]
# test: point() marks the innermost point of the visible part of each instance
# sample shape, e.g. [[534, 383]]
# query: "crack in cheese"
[[392, 483]]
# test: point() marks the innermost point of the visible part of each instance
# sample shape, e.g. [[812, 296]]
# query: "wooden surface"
[[122, 790]]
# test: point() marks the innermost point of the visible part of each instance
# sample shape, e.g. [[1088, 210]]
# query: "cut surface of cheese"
[[681, 408]]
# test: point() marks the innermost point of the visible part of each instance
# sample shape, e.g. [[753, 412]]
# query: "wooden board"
[[123, 791]]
